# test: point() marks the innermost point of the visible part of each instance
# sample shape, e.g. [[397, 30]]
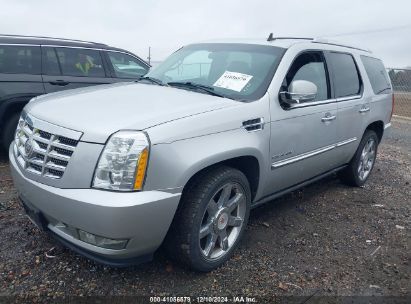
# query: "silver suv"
[[181, 156]]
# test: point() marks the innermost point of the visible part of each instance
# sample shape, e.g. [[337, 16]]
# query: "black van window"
[[126, 66], [377, 74], [20, 59], [50, 62], [346, 78], [80, 62]]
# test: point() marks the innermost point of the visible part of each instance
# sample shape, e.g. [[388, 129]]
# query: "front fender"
[[172, 165]]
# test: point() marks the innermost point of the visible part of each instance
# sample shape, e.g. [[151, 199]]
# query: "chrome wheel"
[[367, 159], [222, 221]]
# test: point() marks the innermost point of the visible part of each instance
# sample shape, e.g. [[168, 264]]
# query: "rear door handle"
[[59, 82], [328, 117], [364, 110]]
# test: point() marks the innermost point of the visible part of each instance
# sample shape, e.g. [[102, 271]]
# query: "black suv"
[[31, 66]]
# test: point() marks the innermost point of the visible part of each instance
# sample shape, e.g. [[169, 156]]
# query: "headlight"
[[123, 162]]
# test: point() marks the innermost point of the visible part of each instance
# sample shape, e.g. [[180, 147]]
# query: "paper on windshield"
[[233, 81]]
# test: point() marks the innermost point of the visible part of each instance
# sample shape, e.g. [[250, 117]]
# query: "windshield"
[[237, 71]]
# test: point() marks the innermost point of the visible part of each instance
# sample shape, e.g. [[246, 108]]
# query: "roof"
[[286, 42], [38, 40]]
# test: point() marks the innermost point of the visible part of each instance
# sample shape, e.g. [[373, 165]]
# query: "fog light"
[[101, 241]]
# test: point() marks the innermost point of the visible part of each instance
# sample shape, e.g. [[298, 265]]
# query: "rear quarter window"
[[20, 59], [377, 75], [347, 81]]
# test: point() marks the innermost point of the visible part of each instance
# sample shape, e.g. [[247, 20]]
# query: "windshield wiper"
[[151, 79], [192, 85]]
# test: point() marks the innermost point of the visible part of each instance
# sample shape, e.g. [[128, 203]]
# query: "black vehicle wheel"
[[211, 219], [9, 129], [361, 165]]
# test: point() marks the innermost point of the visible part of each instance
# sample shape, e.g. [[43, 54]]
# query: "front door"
[[69, 68], [303, 136]]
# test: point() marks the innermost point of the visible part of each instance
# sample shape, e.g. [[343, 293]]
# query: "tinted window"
[[80, 62], [50, 62], [377, 74], [310, 67], [346, 79], [20, 59], [126, 66]]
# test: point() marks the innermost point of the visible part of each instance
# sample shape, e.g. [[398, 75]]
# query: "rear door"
[[353, 108], [20, 76], [69, 68]]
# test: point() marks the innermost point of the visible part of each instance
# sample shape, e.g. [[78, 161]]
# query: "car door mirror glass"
[[299, 91]]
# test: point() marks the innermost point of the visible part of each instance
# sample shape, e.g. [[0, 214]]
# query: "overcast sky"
[[381, 25]]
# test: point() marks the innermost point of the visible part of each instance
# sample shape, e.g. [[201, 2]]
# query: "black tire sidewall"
[[355, 162], [200, 262], [7, 134]]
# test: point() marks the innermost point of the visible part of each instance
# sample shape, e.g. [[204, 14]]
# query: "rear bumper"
[[143, 218]]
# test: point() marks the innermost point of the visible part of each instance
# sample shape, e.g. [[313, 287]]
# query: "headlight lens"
[[123, 162]]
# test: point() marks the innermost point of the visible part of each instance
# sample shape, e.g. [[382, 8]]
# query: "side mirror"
[[299, 91]]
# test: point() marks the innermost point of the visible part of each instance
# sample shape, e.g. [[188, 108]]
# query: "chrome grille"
[[41, 152]]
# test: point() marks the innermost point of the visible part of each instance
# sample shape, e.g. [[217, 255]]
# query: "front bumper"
[[141, 217]]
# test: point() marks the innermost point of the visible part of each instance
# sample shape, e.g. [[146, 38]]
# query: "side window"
[[20, 59], [80, 62], [50, 62], [346, 77], [126, 66], [311, 67], [377, 74]]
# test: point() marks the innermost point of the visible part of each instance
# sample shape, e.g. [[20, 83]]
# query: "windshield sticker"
[[233, 81]]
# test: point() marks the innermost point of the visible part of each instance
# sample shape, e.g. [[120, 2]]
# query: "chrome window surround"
[[306, 155], [41, 151], [322, 102]]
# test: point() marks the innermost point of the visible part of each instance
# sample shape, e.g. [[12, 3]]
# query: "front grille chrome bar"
[[41, 152]]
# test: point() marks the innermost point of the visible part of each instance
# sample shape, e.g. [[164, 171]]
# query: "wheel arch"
[[378, 128], [249, 165], [13, 105]]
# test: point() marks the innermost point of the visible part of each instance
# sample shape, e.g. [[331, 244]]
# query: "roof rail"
[[336, 43], [51, 38], [272, 38]]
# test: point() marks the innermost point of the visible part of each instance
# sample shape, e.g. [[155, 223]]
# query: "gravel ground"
[[326, 239]]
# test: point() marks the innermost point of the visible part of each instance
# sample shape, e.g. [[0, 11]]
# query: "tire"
[[9, 129], [357, 172], [198, 213]]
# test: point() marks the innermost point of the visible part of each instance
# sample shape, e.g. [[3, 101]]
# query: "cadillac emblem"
[[28, 147]]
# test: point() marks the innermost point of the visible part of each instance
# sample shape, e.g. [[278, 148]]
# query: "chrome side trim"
[[297, 158], [388, 125], [306, 155], [346, 142]]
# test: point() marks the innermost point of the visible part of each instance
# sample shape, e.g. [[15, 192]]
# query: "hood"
[[100, 111]]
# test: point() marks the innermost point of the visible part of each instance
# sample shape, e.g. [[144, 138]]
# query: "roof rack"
[[51, 38], [318, 40], [336, 43], [272, 38]]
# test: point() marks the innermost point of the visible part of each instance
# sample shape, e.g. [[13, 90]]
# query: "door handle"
[[364, 110], [328, 117], [59, 82]]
